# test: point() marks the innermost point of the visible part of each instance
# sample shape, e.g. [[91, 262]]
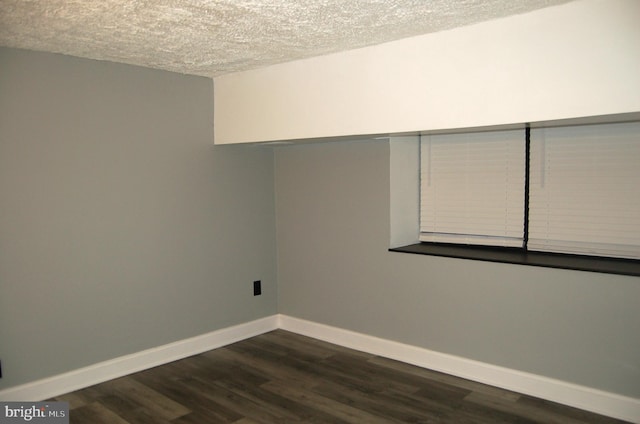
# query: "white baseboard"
[[582, 397], [601, 402], [128, 364]]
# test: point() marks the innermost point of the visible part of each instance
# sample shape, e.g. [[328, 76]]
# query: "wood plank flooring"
[[281, 377]]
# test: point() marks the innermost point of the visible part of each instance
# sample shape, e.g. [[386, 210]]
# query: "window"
[[472, 188], [552, 195], [585, 190]]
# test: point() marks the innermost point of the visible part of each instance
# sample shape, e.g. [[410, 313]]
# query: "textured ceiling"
[[214, 37]]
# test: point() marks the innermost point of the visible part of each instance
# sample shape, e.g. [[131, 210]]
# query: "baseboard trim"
[[601, 402], [139, 361]]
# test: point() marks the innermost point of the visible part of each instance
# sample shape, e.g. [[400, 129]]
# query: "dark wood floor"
[[280, 377]]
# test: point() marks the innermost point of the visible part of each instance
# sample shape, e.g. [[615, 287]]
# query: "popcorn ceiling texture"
[[214, 37]]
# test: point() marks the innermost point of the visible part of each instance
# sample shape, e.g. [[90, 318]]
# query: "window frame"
[[521, 255]]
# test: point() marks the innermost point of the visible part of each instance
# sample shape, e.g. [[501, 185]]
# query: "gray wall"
[[332, 203], [121, 226]]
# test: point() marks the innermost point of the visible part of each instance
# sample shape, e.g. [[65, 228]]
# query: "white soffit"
[[215, 37]]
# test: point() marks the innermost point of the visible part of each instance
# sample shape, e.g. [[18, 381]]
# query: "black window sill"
[[522, 257]]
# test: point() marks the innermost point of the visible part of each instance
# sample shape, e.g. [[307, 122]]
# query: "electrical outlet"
[[257, 288]]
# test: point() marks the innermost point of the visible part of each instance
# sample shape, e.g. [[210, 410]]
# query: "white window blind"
[[472, 188], [584, 190]]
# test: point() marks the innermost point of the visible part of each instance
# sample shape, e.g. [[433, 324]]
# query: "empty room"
[[330, 212]]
